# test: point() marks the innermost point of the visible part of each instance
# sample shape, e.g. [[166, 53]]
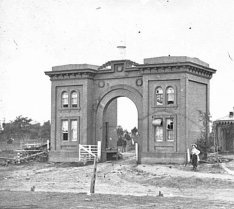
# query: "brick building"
[[167, 92], [224, 133]]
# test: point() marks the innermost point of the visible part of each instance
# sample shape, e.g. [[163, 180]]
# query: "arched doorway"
[[105, 100]]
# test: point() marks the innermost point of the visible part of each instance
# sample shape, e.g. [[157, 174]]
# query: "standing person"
[[124, 145], [120, 144], [195, 156]]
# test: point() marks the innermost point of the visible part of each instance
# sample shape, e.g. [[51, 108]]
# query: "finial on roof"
[[122, 52], [230, 114]]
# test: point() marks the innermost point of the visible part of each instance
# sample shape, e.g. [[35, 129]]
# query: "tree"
[[22, 128], [203, 142], [45, 130], [127, 135], [34, 131], [18, 129], [135, 135], [134, 131], [120, 131]]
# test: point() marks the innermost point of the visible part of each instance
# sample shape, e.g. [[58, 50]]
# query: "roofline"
[[224, 121], [177, 64], [86, 70]]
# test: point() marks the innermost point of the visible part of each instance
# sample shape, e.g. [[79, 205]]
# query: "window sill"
[[68, 142], [164, 143], [69, 108], [165, 106]]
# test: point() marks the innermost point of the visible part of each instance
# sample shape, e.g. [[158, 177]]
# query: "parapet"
[[75, 67], [174, 59]]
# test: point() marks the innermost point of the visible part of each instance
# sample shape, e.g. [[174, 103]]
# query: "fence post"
[[79, 151], [48, 144], [18, 157], [89, 148], [92, 185], [99, 147], [188, 156], [136, 150]]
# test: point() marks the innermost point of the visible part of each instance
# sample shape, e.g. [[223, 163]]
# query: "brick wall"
[[197, 101], [111, 118]]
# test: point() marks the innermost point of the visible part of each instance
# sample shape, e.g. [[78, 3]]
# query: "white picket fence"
[[89, 152]]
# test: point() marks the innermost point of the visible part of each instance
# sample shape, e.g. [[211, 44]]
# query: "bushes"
[[22, 128]]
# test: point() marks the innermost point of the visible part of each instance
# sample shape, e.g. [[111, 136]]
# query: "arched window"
[[170, 95], [74, 100], [64, 99], [159, 96]]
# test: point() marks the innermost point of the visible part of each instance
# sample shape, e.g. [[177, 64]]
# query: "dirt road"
[[68, 183], [51, 200]]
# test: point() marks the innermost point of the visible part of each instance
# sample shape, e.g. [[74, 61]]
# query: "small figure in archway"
[[124, 144], [120, 144], [194, 156]]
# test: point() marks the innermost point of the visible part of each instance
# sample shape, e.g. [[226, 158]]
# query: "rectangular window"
[[65, 130], [158, 126], [73, 130], [170, 129]]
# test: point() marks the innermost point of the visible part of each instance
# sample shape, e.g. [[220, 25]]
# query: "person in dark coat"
[[124, 144], [195, 156], [120, 144]]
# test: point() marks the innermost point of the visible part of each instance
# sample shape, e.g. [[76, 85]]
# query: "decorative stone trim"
[[139, 82], [104, 66], [196, 70], [101, 84], [65, 76]]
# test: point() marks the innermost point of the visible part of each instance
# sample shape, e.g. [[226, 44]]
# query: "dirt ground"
[[119, 184]]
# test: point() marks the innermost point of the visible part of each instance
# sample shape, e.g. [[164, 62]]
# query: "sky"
[[36, 35]]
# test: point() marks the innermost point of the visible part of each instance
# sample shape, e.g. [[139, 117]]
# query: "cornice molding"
[[186, 67], [58, 75], [144, 69]]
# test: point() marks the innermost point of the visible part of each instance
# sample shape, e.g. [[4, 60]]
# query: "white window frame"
[[165, 129], [65, 130], [74, 104], [74, 132], [65, 105], [70, 129], [159, 95], [168, 95], [169, 130]]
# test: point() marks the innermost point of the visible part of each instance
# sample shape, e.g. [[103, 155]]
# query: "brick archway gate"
[[167, 91], [106, 98]]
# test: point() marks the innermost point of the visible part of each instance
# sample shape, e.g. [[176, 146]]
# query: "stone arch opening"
[[106, 99]]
